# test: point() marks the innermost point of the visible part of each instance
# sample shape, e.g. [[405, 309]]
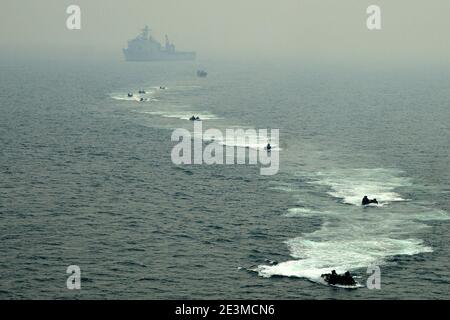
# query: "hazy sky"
[[242, 29]]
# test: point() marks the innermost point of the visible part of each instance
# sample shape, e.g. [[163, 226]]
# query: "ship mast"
[[145, 32], [167, 43]]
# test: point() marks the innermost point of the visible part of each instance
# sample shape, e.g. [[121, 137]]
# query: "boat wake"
[[183, 115], [351, 236], [251, 141], [139, 97]]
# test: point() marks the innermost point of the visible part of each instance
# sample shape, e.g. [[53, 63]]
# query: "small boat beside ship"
[[201, 73]]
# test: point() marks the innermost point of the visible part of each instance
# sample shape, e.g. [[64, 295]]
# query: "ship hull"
[[159, 56]]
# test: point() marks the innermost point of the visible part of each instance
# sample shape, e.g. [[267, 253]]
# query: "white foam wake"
[[354, 237], [319, 257], [252, 141], [352, 184], [137, 97], [184, 115]]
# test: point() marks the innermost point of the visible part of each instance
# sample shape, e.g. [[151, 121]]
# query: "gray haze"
[[412, 30]]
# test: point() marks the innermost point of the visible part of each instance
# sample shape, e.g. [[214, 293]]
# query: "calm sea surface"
[[86, 179]]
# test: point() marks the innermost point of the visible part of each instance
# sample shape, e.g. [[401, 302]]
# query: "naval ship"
[[145, 48]]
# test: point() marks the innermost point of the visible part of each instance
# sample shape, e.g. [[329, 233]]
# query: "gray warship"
[[145, 48]]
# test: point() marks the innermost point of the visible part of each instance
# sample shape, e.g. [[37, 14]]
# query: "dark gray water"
[[86, 179]]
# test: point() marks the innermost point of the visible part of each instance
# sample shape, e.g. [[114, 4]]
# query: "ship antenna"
[[145, 32]]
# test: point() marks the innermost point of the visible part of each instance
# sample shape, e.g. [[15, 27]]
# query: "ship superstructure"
[[145, 48]]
